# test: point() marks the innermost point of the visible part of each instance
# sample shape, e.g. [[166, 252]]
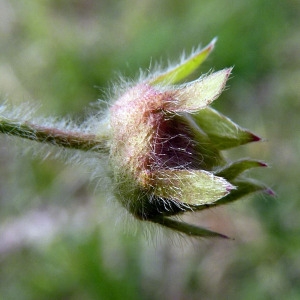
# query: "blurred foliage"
[[61, 240]]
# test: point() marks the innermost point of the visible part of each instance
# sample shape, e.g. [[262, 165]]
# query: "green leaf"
[[185, 68], [234, 169], [198, 94], [221, 130], [194, 187]]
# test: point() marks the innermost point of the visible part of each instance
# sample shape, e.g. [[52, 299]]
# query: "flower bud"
[[166, 147]]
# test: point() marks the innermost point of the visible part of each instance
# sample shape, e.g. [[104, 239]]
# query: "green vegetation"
[[62, 237]]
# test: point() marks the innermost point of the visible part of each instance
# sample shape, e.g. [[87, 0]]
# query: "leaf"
[[232, 170], [192, 187], [221, 130], [185, 68], [198, 94]]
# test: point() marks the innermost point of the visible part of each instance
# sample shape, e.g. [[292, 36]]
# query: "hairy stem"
[[54, 136]]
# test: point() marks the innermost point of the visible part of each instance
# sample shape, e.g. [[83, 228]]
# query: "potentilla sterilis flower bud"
[[163, 142], [166, 142], [154, 148]]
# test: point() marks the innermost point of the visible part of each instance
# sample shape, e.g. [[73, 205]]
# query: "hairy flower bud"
[[163, 142], [166, 143]]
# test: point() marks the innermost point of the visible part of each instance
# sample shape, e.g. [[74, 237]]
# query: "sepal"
[[191, 187], [200, 93], [234, 169], [185, 68], [188, 229], [221, 130], [243, 188]]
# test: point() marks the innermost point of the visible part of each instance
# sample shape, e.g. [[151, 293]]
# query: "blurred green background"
[[62, 237]]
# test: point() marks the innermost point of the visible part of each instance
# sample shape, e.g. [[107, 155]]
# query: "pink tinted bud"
[[148, 140]]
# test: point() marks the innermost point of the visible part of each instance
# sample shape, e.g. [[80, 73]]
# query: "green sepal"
[[188, 229], [191, 187], [199, 93], [243, 188], [184, 69], [234, 169], [221, 130]]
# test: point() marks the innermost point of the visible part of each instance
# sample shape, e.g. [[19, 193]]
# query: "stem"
[[54, 136]]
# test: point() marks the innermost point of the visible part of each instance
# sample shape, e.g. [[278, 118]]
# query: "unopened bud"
[[166, 144]]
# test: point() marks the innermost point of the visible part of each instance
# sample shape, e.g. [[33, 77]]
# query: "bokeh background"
[[61, 236]]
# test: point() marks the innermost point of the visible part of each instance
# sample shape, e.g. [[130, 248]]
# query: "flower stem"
[[54, 136]]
